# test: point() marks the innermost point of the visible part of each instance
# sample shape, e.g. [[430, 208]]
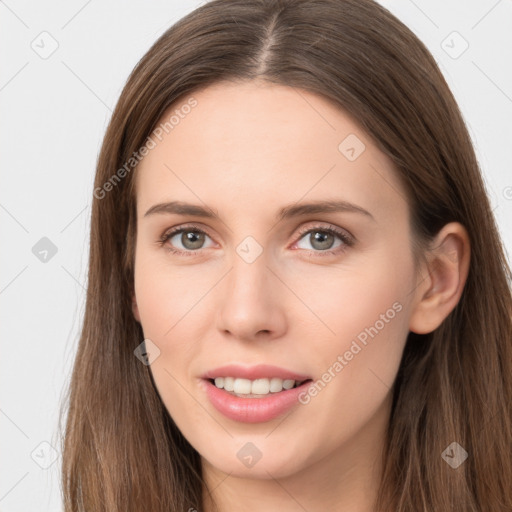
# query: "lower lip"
[[254, 410]]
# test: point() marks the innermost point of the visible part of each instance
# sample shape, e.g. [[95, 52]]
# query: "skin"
[[246, 150]]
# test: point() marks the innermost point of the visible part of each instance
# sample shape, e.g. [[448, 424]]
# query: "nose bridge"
[[249, 272], [249, 301], [249, 276]]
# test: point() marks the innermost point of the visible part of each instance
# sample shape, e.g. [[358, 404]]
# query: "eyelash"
[[346, 239]]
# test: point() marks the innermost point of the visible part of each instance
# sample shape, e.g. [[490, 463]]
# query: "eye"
[[191, 239], [323, 240]]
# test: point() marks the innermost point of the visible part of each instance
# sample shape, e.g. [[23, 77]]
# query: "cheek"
[[168, 303], [355, 342], [167, 307], [165, 295], [370, 291]]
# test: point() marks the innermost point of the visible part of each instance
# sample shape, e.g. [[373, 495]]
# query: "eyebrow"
[[287, 212]]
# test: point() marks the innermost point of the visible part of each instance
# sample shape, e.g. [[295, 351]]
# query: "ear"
[[442, 281], [135, 309]]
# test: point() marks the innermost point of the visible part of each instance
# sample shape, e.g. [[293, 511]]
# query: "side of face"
[[259, 290]]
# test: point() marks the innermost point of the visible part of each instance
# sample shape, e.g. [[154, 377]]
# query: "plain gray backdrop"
[[63, 68]]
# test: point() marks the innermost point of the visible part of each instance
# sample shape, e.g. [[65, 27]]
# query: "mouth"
[[257, 388], [257, 399], [253, 394]]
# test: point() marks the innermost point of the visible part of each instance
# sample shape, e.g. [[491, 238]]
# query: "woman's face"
[[252, 286]]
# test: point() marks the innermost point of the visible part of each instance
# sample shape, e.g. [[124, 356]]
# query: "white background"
[[54, 115]]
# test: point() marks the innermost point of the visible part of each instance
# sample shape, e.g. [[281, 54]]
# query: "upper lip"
[[259, 371]]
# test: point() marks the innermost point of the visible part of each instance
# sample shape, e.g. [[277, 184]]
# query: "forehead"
[[256, 145]]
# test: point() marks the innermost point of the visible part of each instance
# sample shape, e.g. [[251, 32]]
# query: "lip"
[[259, 371], [253, 410]]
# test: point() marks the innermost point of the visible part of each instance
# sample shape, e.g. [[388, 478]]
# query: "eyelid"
[[301, 230], [184, 227], [341, 232]]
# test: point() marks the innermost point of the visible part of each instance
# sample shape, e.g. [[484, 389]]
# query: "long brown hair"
[[121, 449]]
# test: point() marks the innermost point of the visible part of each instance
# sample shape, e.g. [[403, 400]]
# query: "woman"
[[298, 298]]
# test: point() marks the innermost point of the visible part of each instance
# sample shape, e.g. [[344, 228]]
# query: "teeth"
[[228, 383], [242, 386], [288, 384], [276, 385], [254, 387], [260, 387]]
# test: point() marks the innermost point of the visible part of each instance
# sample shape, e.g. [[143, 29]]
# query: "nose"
[[251, 302]]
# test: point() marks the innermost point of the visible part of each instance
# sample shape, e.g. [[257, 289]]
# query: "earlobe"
[[135, 309], [440, 290]]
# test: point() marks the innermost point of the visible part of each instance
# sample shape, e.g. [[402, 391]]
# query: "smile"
[[253, 408], [257, 388]]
